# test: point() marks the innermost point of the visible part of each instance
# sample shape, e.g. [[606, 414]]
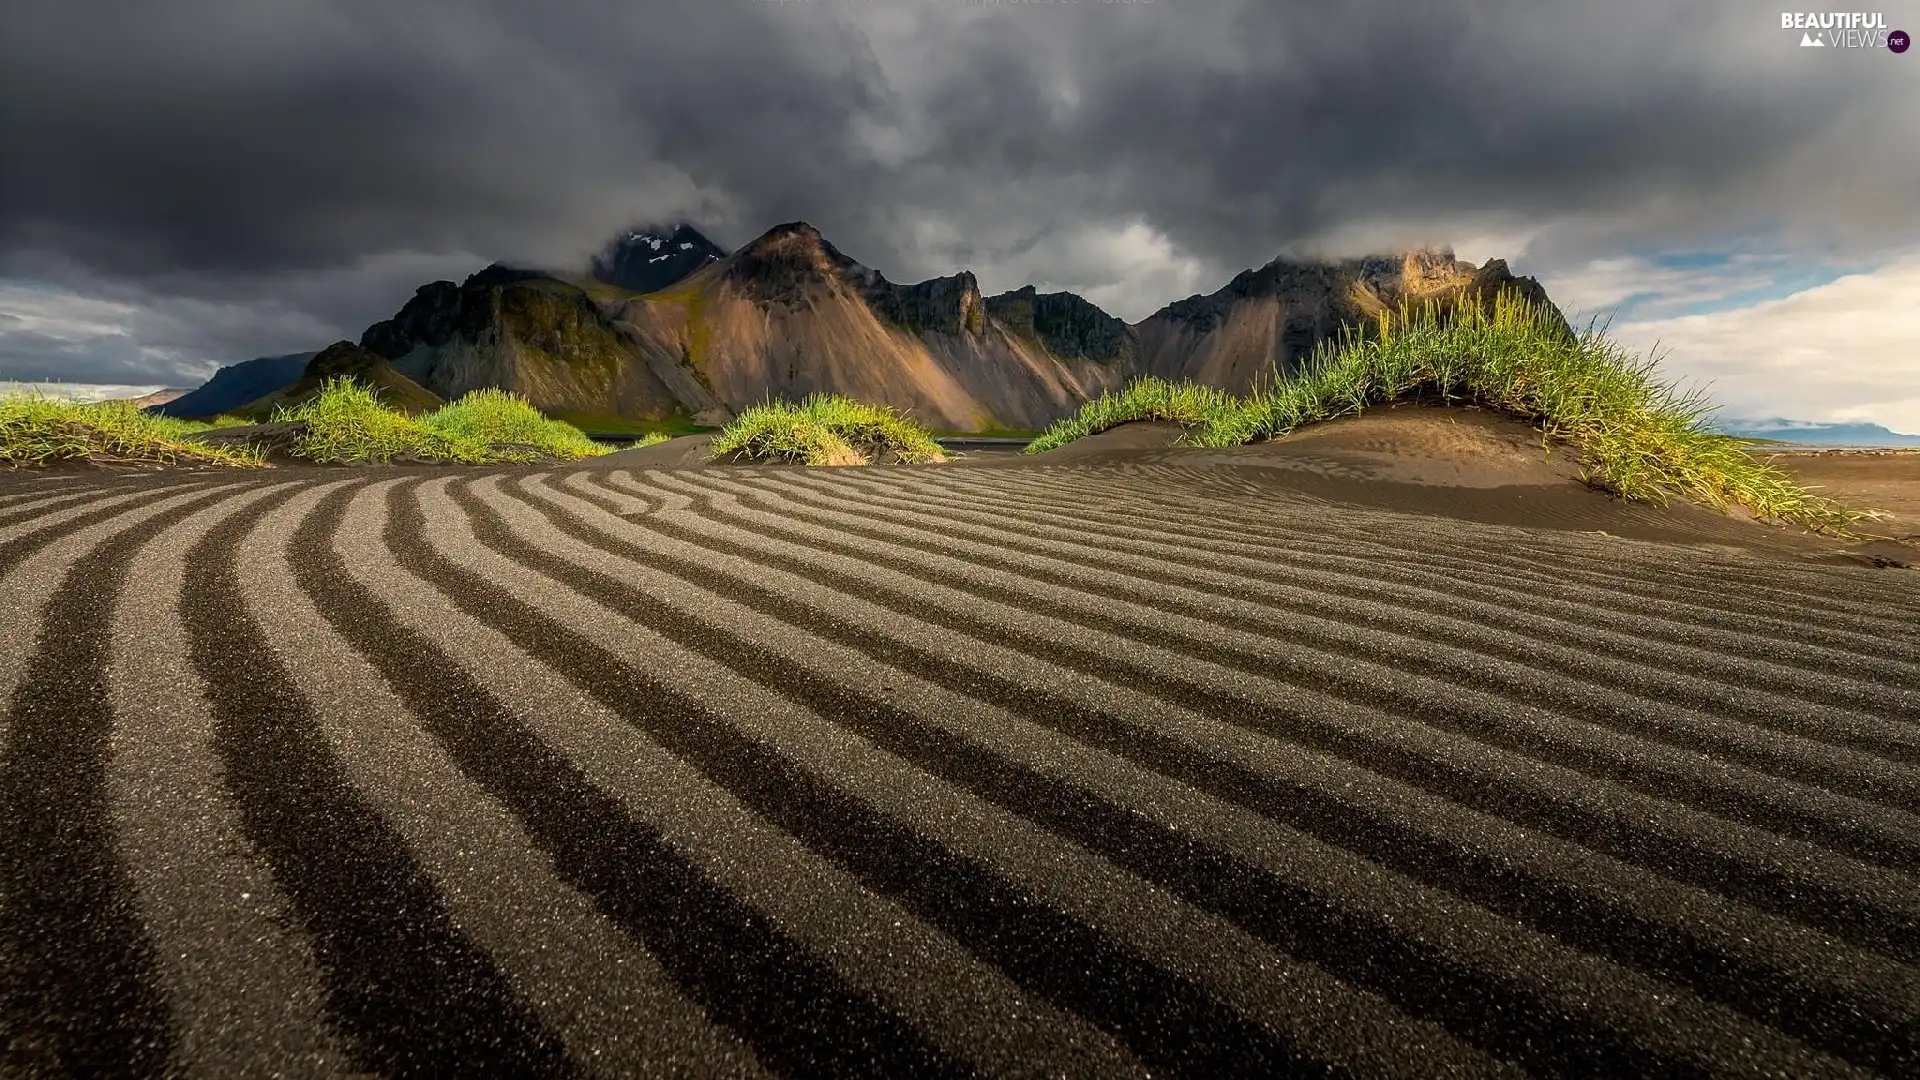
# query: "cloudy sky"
[[202, 181]]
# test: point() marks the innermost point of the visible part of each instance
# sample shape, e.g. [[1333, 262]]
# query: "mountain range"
[[663, 323], [1857, 433]]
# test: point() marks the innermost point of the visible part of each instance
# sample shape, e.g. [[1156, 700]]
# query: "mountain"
[[525, 331], [669, 324], [1066, 325], [1272, 317], [236, 385], [790, 314], [159, 397], [344, 358], [645, 260], [1826, 434]]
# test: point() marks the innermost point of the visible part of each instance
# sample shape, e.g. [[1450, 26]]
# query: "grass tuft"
[[1638, 436], [347, 424], [40, 430], [1145, 398], [825, 429], [511, 426]]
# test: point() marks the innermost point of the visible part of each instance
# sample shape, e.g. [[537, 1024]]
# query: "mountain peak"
[[648, 258], [791, 232], [1066, 324], [795, 241], [788, 256]]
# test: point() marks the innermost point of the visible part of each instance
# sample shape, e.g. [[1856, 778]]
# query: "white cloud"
[[85, 392], [70, 326], [1846, 350], [1639, 288], [1130, 270], [61, 315]]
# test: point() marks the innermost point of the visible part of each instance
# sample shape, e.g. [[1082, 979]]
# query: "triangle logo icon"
[[1808, 41]]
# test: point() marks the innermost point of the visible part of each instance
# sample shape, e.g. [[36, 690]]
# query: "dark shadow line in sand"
[[79, 993], [1574, 918], [415, 995], [1164, 1018]]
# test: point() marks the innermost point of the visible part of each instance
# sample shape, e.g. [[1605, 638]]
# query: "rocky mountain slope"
[[790, 314], [236, 385], [344, 358], [524, 331], [668, 324], [1270, 319]]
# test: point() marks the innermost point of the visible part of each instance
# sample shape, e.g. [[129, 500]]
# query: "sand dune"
[[1150, 763]]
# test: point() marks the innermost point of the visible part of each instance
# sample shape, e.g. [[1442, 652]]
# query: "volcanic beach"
[[1385, 748]]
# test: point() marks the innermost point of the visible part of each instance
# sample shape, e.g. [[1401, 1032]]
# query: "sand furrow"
[[1638, 572], [1775, 872], [33, 562], [1373, 564], [397, 722], [1066, 702], [28, 509], [1323, 931], [1382, 630], [407, 986], [1005, 606], [1006, 768], [685, 933], [1635, 569], [696, 869], [1591, 615], [240, 983], [79, 993], [1185, 991]]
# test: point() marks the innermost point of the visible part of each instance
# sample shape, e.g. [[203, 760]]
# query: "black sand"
[[1387, 751]]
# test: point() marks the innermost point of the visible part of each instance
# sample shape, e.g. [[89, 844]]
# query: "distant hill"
[[1826, 434], [159, 397], [236, 385], [345, 358]]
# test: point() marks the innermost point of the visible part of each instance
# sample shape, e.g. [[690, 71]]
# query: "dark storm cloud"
[[282, 160]]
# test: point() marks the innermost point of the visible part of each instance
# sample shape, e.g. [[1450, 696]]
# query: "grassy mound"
[[346, 423], [1638, 437], [824, 429], [40, 430], [500, 419]]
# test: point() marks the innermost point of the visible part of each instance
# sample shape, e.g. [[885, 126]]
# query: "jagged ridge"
[[657, 329]]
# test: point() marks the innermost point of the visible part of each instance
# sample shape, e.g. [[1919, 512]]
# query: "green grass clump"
[[824, 429], [1637, 436], [1145, 398], [347, 424], [509, 423], [40, 430]]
